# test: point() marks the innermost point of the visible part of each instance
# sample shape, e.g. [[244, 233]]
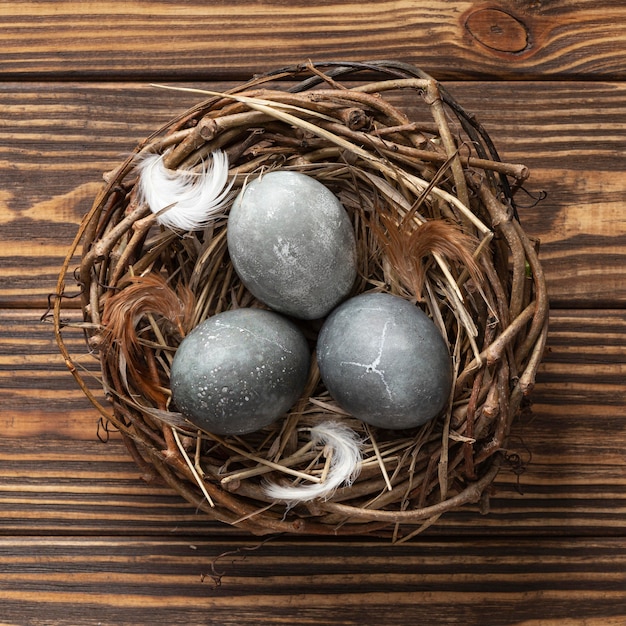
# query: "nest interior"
[[433, 211]]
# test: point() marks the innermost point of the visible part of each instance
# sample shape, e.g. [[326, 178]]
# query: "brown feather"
[[409, 248], [123, 312]]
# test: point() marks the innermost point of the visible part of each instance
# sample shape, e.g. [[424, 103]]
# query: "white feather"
[[181, 199], [344, 448]]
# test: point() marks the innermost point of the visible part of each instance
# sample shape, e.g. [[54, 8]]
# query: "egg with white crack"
[[239, 371], [292, 244], [384, 361]]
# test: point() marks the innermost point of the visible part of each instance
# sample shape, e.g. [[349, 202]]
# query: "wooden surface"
[[83, 540]]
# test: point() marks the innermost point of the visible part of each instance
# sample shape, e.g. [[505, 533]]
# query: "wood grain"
[[56, 141], [195, 41], [110, 581], [566, 473], [84, 539]]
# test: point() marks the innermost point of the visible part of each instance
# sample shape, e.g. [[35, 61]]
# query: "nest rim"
[[479, 178]]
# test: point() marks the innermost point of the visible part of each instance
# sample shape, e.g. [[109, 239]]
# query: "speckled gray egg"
[[384, 361], [239, 370], [292, 244]]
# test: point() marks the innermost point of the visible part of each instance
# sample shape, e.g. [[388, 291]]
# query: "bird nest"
[[434, 217]]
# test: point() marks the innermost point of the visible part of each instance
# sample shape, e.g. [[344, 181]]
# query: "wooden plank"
[[38, 397], [112, 581], [53, 487], [56, 141], [85, 540], [553, 128], [566, 475], [134, 40]]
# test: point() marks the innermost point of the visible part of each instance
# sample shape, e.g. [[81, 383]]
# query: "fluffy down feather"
[[343, 449], [185, 200]]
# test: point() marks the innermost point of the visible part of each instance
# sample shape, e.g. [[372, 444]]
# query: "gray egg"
[[239, 370], [292, 244], [384, 361]]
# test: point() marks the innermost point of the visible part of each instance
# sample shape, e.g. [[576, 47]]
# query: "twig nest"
[[431, 210], [292, 244], [384, 361], [238, 371]]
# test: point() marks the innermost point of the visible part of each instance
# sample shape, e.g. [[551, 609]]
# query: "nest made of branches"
[[434, 215]]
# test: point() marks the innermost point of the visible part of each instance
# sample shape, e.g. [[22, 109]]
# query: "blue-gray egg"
[[240, 370], [292, 244], [384, 361]]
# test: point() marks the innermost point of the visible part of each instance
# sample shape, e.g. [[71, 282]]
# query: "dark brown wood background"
[[84, 541]]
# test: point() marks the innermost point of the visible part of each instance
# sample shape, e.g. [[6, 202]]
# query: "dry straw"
[[433, 210]]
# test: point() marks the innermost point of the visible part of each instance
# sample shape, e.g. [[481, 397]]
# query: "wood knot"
[[356, 119], [95, 342], [498, 30]]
